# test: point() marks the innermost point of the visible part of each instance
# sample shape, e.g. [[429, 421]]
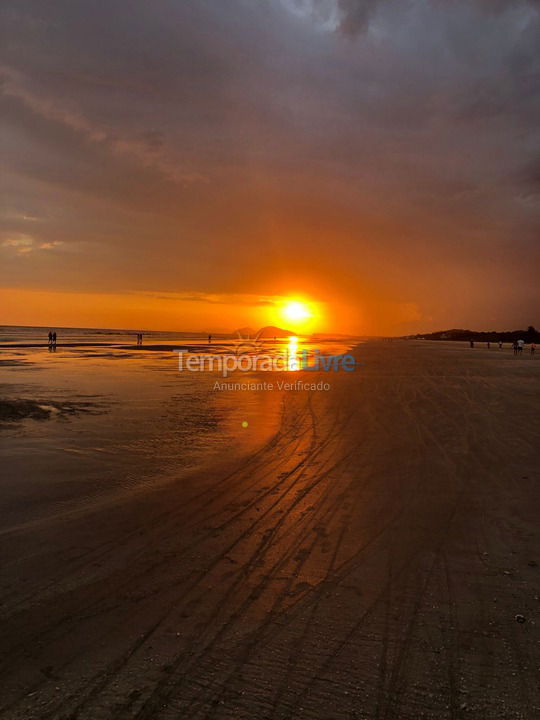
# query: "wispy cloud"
[[144, 148], [215, 298], [22, 243]]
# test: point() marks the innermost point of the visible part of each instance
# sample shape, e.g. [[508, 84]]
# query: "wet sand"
[[368, 561]]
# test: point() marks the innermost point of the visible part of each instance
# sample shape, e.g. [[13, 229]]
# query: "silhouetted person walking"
[[515, 347], [54, 339], [50, 337], [209, 339]]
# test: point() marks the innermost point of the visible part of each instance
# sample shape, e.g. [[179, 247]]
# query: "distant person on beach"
[[533, 348], [209, 339], [500, 344], [520, 343], [471, 343], [515, 347], [54, 338], [50, 337]]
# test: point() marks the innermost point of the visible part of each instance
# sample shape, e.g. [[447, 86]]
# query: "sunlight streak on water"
[[293, 356]]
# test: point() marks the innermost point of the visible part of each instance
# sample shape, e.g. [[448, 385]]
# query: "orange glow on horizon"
[[202, 312], [160, 311]]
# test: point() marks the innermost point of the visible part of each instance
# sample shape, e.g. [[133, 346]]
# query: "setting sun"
[[297, 312]]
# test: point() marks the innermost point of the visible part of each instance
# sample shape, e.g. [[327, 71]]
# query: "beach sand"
[[368, 560]]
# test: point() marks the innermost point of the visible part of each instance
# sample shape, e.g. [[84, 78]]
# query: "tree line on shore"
[[530, 335]]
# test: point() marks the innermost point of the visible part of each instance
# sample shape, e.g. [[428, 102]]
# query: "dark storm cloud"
[[208, 132], [351, 17], [355, 15]]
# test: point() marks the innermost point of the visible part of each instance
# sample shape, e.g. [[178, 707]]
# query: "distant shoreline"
[[529, 335]]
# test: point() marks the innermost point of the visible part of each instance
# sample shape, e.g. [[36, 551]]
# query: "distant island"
[[270, 332], [266, 333], [529, 335]]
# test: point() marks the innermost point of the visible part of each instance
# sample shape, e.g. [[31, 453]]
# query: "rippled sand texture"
[[367, 562]]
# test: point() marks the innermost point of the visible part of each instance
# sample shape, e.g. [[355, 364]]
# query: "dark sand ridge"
[[368, 562]]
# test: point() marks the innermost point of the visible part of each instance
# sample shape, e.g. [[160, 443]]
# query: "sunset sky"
[[191, 165]]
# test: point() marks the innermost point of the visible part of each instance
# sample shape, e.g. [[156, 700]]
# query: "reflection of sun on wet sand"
[[368, 561]]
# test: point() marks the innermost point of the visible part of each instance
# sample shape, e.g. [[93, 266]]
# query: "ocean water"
[[31, 334], [100, 416]]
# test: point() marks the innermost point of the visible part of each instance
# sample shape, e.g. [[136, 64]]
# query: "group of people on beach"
[[52, 340], [517, 346], [139, 338]]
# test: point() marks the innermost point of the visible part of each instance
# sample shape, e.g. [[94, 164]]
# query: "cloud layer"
[[366, 151]]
